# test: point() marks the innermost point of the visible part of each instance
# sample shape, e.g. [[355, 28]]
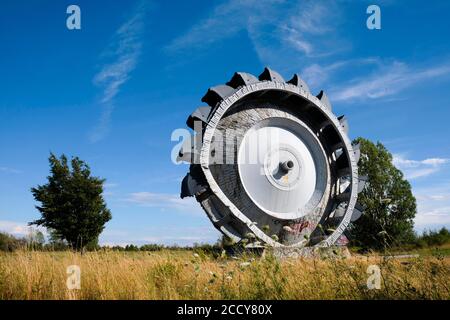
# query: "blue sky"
[[113, 92]]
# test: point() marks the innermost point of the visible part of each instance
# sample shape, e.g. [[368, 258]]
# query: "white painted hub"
[[278, 163]]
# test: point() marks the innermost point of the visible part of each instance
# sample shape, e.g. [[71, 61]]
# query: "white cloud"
[[165, 202], [387, 80], [123, 54], [435, 161], [415, 169], [440, 197], [19, 229], [435, 217], [109, 185], [433, 202], [433, 205]]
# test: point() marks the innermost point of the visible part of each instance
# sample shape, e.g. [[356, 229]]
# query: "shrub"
[[10, 243]]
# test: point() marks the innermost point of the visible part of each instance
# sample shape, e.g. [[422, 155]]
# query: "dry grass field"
[[184, 275]]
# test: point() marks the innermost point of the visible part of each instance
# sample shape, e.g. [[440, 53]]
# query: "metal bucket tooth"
[[189, 151], [193, 183], [344, 123], [339, 211], [241, 79], [200, 114], [362, 181], [217, 94], [357, 212], [270, 75], [357, 151], [189, 187], [324, 99], [299, 82]]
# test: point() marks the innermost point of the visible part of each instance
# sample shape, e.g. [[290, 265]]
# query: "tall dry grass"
[[183, 275]]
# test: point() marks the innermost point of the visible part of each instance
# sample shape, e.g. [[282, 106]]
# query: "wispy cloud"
[[306, 33], [301, 29], [110, 185], [165, 202], [10, 170], [121, 59], [226, 20], [386, 81], [108, 189], [414, 169], [318, 74], [311, 28]]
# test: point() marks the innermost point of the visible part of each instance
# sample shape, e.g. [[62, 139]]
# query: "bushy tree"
[[72, 205], [388, 199], [10, 243]]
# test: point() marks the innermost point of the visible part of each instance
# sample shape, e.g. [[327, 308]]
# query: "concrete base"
[[336, 252]]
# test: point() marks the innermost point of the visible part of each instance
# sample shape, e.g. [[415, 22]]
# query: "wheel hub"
[[277, 162]]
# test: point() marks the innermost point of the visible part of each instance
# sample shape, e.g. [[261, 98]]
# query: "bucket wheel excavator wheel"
[[271, 164]]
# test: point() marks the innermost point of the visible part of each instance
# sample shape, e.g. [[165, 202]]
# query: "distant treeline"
[[433, 238], [33, 242], [204, 247], [11, 243]]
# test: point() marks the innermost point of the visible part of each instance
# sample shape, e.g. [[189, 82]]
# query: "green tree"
[[35, 239], [72, 205], [389, 204], [10, 243]]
